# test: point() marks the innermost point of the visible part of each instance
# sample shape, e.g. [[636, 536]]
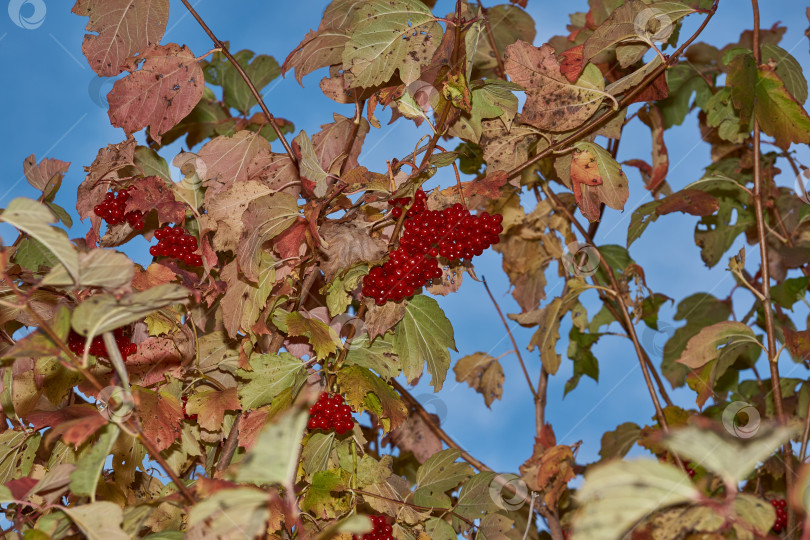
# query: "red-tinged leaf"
[[225, 209], [210, 406], [152, 192], [160, 94], [613, 191], [798, 343], [652, 116], [21, 486], [700, 381], [161, 416], [47, 172], [293, 241], [124, 28], [521, 3], [555, 470], [361, 179], [154, 274], [552, 102], [276, 171], [228, 158], [476, 192], [317, 50], [584, 169], [415, 436], [250, 427], [158, 355], [97, 182], [571, 63], [77, 431], [330, 142], [689, 201]]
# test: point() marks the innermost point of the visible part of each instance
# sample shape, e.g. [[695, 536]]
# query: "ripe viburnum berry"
[[112, 210], [452, 234], [331, 412], [781, 514], [381, 531], [178, 243], [97, 347]]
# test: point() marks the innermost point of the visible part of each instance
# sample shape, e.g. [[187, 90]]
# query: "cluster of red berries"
[[331, 412], [781, 514], [690, 471], [176, 242], [97, 347], [112, 210], [452, 233], [381, 531]]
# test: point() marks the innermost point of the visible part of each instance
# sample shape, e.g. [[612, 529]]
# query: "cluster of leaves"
[[203, 430]]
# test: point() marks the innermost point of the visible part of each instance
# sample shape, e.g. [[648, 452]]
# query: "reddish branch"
[[221, 46]]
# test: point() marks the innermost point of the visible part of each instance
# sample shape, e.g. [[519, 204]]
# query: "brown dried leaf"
[[689, 201], [228, 158], [124, 28], [660, 157], [361, 179], [47, 172], [476, 192], [155, 274], [415, 436], [552, 102], [226, 208], [276, 171], [482, 373], [380, 319], [798, 343], [331, 140], [160, 94], [504, 149], [346, 244], [317, 50]]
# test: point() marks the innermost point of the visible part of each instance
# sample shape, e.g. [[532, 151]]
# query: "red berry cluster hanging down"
[[184, 400], [452, 233], [331, 412], [381, 531], [112, 210], [781, 514], [176, 242], [97, 347]]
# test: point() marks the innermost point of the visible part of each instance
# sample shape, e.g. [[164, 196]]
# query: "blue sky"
[[54, 107]]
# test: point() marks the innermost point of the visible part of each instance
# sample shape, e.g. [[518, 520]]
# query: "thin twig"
[[773, 361], [231, 443], [270, 118], [514, 343], [501, 70]]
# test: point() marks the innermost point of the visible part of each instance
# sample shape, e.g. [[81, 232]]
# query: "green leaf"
[[32, 218], [618, 494], [318, 498], [439, 474], [683, 81], [309, 165], [104, 312], [84, 480], [475, 498], [761, 92], [548, 334], [270, 375], [97, 268], [789, 291], [317, 449], [151, 163], [31, 254], [439, 529], [98, 520], [378, 356], [494, 527], [757, 514], [5, 494], [616, 443], [640, 219], [788, 69], [388, 35], [716, 341], [364, 390], [219, 514], [321, 336], [733, 460], [424, 335], [274, 457], [721, 114], [491, 99], [261, 70]]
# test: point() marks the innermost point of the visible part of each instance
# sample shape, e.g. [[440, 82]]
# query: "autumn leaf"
[[483, 373], [330, 142], [160, 94], [228, 158], [124, 29], [388, 35], [363, 390], [160, 414], [346, 244], [46, 175], [210, 405], [321, 336], [717, 340], [552, 102]]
